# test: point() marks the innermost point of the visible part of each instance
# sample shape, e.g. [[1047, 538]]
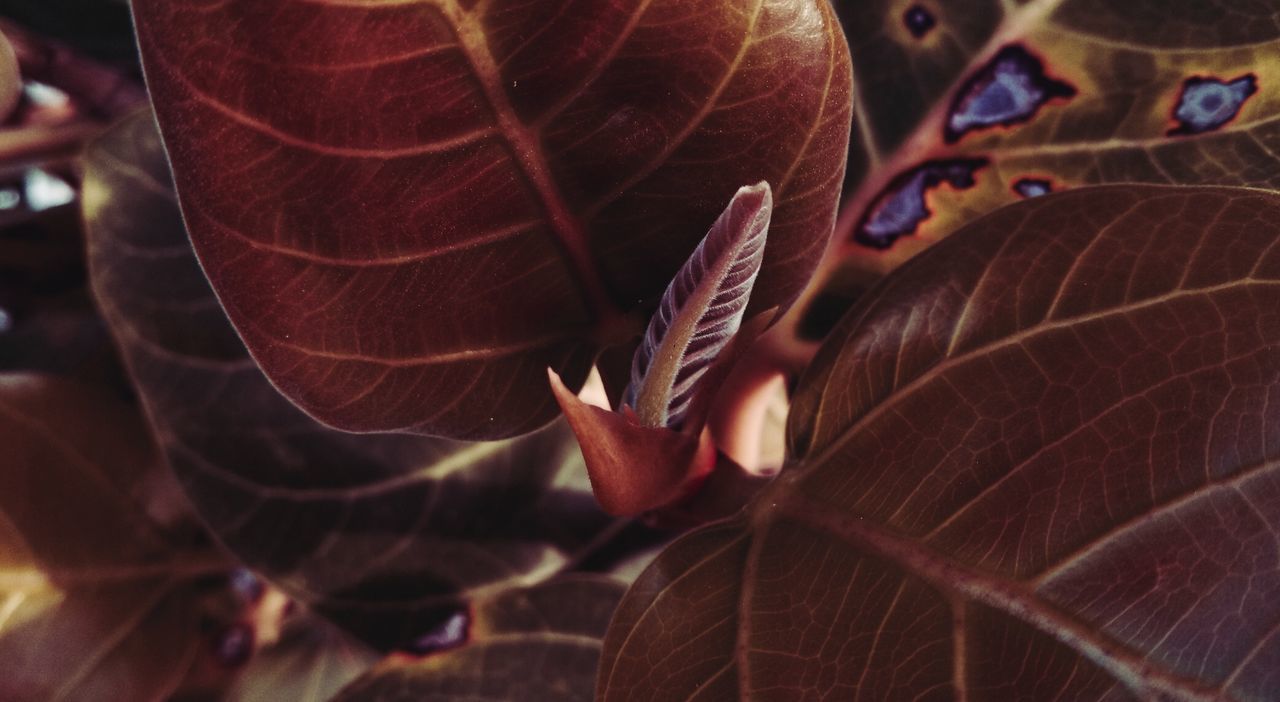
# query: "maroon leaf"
[[385, 533], [410, 209], [700, 311], [1038, 462]]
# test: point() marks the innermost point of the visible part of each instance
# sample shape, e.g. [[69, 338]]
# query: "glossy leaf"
[[1038, 462], [1110, 78], [387, 533], [541, 643], [700, 311], [411, 209], [98, 569]]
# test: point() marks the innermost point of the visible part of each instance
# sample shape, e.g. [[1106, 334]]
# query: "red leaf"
[[409, 209], [1038, 462]]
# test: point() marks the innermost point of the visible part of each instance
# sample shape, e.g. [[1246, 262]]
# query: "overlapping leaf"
[[388, 533], [540, 643], [1126, 64], [411, 209], [1038, 462], [99, 573]]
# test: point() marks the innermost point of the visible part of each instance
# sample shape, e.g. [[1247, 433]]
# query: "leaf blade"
[[385, 533], [442, 320], [1005, 453]]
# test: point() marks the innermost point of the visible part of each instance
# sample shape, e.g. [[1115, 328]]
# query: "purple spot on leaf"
[[918, 21], [449, 635], [1208, 103], [1032, 187], [900, 208], [1008, 90], [234, 645], [246, 585]]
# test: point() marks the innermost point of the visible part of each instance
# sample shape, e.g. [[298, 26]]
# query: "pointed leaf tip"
[[701, 310], [633, 468]]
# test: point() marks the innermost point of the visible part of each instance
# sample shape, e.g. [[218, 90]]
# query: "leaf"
[[10, 79], [1037, 462], [1111, 75], [310, 662], [700, 311], [541, 643], [410, 209], [389, 534], [97, 574]]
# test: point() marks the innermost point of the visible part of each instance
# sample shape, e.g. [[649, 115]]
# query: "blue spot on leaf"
[[1209, 103], [901, 207], [1032, 187], [1006, 91], [918, 21]]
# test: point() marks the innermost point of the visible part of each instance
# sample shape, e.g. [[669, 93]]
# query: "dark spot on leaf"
[[1008, 90], [918, 21], [900, 208], [247, 585], [1032, 187], [451, 634], [1208, 103], [233, 646]]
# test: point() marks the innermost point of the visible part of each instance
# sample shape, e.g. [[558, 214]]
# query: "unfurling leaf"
[[411, 209], [107, 591], [700, 311], [633, 468], [387, 534], [1040, 461], [540, 643]]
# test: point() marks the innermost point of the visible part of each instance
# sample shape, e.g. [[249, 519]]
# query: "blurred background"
[[80, 73]]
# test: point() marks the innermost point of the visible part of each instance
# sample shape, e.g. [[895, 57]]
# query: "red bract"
[[410, 210]]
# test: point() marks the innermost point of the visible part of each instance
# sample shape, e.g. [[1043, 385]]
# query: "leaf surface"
[[540, 643], [1112, 76], [311, 661], [98, 571], [411, 209], [386, 533], [10, 79], [1037, 462]]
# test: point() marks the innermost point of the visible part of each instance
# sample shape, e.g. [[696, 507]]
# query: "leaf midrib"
[[1137, 672], [527, 151]]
